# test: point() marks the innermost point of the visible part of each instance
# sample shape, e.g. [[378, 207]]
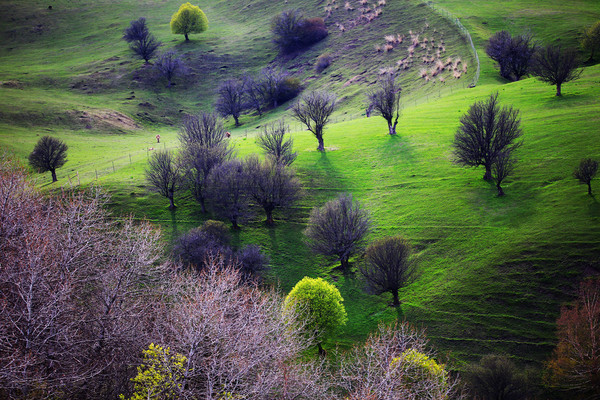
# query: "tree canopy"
[[48, 154], [188, 19]]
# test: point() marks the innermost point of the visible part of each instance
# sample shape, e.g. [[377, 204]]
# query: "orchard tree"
[[313, 110], [556, 66], [513, 54], [484, 133], [229, 192], [338, 229], [385, 100], [586, 171], [140, 40], [318, 308], [164, 175], [591, 39], [48, 154], [276, 144], [188, 19], [388, 266], [230, 100]]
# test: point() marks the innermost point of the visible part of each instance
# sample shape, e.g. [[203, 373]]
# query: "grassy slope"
[[539, 239]]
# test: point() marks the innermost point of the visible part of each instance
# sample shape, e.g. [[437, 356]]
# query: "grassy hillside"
[[494, 271]]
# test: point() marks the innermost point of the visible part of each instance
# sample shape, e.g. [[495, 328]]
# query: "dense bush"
[[513, 54], [292, 31], [323, 61], [497, 377]]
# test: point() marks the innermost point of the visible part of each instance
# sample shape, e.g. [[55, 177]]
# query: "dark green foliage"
[[48, 154]]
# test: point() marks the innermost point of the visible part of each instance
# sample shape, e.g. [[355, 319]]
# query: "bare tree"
[[229, 192], [205, 129], [169, 66], [253, 94], [385, 100], [276, 144], [314, 110], [48, 154], [485, 131], [513, 54], [338, 229], [586, 171], [502, 166], [556, 66], [271, 185], [164, 175], [388, 266], [230, 99], [140, 40], [271, 85]]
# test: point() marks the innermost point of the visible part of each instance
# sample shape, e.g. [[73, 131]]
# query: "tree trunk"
[[392, 128], [186, 37], [202, 205], [321, 143], [589, 183], [269, 221], [234, 224], [500, 191], [53, 171], [488, 173], [558, 92], [171, 203], [236, 119], [322, 351], [396, 299], [345, 264]]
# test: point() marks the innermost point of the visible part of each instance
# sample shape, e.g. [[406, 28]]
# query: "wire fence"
[[452, 18]]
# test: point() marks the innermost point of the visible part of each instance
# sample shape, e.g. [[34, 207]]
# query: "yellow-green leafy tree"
[[188, 19], [422, 374], [160, 375]]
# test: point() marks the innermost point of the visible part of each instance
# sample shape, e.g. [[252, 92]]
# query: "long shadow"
[[323, 178], [398, 147]]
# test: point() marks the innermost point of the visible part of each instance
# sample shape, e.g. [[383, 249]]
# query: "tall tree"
[[48, 154], [164, 175], [276, 144], [586, 171], [485, 131], [188, 19], [140, 40], [556, 66], [388, 266], [313, 110], [230, 100], [385, 100], [338, 229], [229, 192]]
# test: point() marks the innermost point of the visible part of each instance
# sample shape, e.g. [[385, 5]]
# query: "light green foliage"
[[418, 367], [188, 19], [159, 376], [591, 39], [319, 305]]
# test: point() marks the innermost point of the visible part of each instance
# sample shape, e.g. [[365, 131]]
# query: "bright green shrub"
[[189, 19], [418, 367]]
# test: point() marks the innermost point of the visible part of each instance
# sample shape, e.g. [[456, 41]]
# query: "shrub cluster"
[[292, 31]]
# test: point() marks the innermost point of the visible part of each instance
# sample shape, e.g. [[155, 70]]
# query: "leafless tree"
[[272, 185], [314, 110], [503, 165], [485, 131], [338, 229], [385, 100], [388, 266], [253, 94], [513, 54], [276, 144], [230, 99], [229, 192], [48, 154], [586, 171], [556, 66], [169, 65], [165, 175], [271, 85], [140, 40], [205, 129]]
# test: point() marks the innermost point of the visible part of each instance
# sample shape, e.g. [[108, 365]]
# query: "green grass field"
[[493, 271]]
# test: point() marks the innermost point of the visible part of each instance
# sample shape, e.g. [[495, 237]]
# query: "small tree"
[[198, 246], [276, 144], [188, 19], [228, 190], [586, 171], [140, 40], [496, 377], [169, 66], [388, 266], [164, 175], [486, 131], [502, 166], [556, 66], [591, 39], [385, 100], [271, 85], [205, 129], [48, 154], [253, 94], [318, 307], [314, 110], [338, 229], [513, 54], [292, 31], [230, 100], [271, 185]]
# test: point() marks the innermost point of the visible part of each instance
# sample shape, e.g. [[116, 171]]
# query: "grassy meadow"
[[493, 271]]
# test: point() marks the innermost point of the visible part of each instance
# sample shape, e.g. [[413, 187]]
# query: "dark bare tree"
[[169, 65], [313, 110], [253, 94], [272, 185], [484, 132], [140, 40], [271, 85], [276, 144], [197, 247], [388, 266], [48, 154], [385, 100], [338, 229], [586, 171], [556, 66], [292, 31], [513, 54], [503, 165], [230, 99], [165, 175], [205, 129], [229, 192]]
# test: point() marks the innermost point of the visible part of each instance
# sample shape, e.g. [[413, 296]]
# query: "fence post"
[[113, 163], [96, 174]]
